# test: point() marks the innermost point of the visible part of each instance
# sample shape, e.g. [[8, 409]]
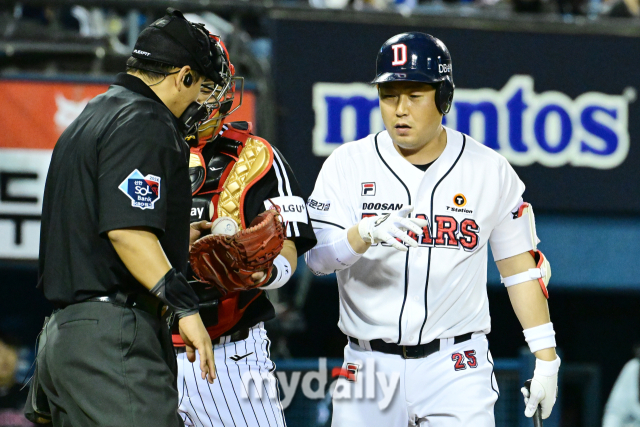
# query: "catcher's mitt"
[[229, 261]]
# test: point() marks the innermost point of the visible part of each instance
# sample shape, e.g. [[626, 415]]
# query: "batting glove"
[[386, 228], [544, 388]]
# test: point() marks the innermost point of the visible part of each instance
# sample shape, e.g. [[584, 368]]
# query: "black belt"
[[144, 302], [238, 335], [411, 351]]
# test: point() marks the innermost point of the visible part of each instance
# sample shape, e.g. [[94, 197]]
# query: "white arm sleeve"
[[332, 253], [331, 214], [513, 234]]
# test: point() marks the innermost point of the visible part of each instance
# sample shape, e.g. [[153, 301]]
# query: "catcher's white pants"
[[244, 393], [453, 387]]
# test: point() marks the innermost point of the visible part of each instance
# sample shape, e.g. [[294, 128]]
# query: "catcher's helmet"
[[222, 96], [417, 57]]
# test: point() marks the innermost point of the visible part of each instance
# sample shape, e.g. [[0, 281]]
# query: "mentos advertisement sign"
[[549, 128]]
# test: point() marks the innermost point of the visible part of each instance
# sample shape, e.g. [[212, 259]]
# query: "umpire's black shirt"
[[122, 163]]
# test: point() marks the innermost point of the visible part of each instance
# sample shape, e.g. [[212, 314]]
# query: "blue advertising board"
[[560, 107]]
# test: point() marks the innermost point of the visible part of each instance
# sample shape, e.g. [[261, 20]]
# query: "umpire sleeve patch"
[[292, 208], [144, 191]]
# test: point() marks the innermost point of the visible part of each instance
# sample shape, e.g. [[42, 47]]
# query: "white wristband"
[[547, 369], [540, 337], [282, 270]]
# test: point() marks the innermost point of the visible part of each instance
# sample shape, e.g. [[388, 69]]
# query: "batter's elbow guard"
[[542, 273]]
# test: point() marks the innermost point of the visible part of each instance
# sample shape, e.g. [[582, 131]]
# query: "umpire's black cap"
[[173, 40]]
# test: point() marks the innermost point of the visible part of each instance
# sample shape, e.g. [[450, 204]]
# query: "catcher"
[[248, 207]]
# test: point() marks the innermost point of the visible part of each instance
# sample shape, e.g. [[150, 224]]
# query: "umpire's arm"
[[142, 254], [140, 251]]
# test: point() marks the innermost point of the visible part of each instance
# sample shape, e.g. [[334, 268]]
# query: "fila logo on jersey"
[[524, 126], [368, 189], [399, 54]]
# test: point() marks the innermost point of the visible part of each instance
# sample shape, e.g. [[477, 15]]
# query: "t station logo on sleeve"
[[143, 191]]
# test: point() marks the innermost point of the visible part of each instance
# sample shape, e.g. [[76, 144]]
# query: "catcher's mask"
[[219, 99]]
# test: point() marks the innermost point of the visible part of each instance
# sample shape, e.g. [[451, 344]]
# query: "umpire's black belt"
[[410, 351], [144, 302]]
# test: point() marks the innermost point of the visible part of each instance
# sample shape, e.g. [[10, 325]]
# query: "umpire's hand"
[[196, 337]]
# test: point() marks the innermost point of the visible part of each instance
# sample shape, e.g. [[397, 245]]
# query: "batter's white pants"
[[453, 387], [244, 393]]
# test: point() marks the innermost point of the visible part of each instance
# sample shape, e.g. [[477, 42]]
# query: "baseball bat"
[[537, 416]]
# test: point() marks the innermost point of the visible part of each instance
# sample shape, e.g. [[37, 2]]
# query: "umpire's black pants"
[[109, 365]]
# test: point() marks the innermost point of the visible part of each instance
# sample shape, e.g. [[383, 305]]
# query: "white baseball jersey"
[[437, 290]]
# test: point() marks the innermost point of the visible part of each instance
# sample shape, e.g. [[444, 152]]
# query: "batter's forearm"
[[141, 253], [332, 253], [531, 308], [527, 299], [356, 241]]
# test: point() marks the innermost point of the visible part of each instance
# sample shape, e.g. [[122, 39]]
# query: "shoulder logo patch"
[[143, 191], [459, 200]]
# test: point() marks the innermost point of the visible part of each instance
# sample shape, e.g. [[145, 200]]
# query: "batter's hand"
[[386, 228], [544, 388], [196, 337]]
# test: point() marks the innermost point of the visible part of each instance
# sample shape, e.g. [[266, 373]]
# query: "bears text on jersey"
[[447, 232]]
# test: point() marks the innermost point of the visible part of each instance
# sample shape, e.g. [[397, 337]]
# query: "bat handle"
[[537, 416]]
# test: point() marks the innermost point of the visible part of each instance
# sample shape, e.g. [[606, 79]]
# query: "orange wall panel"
[[33, 114]]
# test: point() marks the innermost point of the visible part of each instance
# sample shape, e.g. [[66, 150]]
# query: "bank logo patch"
[[144, 191], [526, 127], [368, 189], [459, 200]]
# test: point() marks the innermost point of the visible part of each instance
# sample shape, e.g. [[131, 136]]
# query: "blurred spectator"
[[329, 4], [622, 9], [623, 406], [12, 399]]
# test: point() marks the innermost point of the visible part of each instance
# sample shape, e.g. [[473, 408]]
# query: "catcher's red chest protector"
[[219, 184]]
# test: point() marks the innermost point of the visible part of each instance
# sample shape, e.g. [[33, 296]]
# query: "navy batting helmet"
[[417, 57]]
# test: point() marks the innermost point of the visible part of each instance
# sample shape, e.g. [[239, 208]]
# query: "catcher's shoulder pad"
[[254, 161], [210, 165], [197, 171], [242, 126], [238, 131]]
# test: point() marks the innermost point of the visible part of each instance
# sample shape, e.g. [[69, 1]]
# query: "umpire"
[[115, 236]]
